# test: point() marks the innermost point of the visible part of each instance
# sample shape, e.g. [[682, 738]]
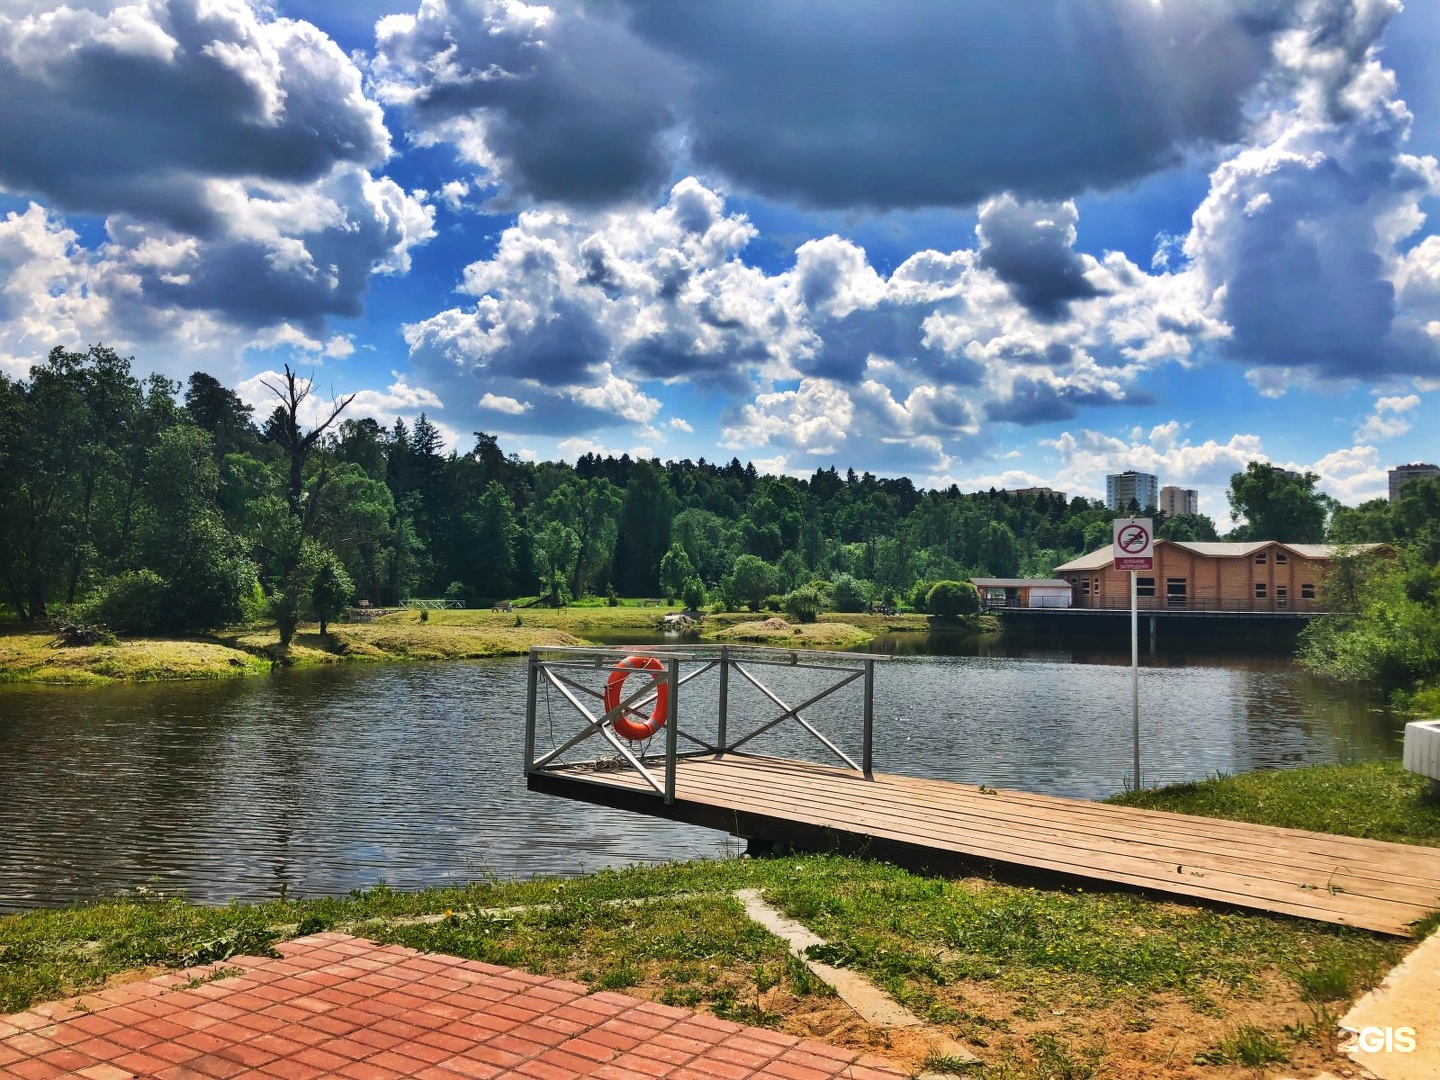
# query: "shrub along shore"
[[33, 656], [1041, 982]]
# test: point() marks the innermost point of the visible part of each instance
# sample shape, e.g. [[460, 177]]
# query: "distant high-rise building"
[[1403, 474], [1177, 500], [1121, 488]]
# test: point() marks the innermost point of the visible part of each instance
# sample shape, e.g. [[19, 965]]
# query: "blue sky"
[[996, 243]]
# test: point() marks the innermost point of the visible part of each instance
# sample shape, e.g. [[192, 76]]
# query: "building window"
[[1281, 558], [1175, 591], [1282, 594], [1259, 590], [1084, 586], [1307, 591], [1145, 586], [1261, 559]]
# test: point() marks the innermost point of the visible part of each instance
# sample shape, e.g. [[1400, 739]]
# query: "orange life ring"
[[625, 726]]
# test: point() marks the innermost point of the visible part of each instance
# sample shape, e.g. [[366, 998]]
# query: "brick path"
[[341, 1006]]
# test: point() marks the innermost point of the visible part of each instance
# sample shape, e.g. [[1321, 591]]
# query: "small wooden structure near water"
[[712, 781]]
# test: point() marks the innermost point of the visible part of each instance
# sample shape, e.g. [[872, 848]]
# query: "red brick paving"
[[340, 1006]]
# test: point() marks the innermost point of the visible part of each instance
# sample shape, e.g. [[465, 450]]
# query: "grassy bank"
[[1377, 800], [28, 655], [31, 657], [1044, 983]]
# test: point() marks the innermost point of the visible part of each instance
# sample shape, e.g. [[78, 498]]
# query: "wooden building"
[[1262, 576], [1023, 592]]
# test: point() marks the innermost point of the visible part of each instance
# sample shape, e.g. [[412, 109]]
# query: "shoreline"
[[29, 658]]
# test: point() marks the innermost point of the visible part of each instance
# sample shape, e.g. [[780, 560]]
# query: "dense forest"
[[151, 506]]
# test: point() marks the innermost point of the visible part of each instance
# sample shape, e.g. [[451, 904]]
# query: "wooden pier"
[[1368, 884]]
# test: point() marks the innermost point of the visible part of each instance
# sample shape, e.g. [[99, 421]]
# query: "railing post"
[[868, 760], [531, 692], [672, 733], [724, 697]]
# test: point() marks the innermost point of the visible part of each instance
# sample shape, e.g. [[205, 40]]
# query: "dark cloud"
[[866, 103], [571, 108], [886, 105], [1035, 401], [132, 111], [1299, 239], [229, 151], [1030, 247]]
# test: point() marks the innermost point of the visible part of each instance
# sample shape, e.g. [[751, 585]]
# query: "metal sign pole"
[[1135, 670], [1134, 550]]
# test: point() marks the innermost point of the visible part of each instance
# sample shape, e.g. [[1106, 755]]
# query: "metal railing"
[[1199, 605], [563, 668]]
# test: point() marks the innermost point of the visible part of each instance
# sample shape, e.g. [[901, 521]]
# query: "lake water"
[[322, 781]]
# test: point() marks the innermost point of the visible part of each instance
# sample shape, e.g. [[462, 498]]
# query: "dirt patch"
[[1048, 1030]]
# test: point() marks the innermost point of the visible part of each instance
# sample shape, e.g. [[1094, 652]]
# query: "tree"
[[1370, 522], [357, 522], [1186, 527], [705, 536], [331, 591], [750, 581], [589, 508], [675, 571], [285, 428], [495, 533], [693, 594], [643, 534], [1387, 631], [556, 549], [951, 599], [1277, 505], [291, 558], [183, 538], [217, 409], [1416, 517], [848, 593], [998, 554]]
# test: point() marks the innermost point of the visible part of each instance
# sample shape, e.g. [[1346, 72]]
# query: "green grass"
[[1377, 800], [917, 935], [690, 940], [1246, 1045]]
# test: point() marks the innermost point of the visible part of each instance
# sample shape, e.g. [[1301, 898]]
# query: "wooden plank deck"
[[1363, 883]]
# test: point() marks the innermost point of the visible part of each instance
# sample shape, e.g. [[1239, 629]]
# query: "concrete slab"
[[1395, 1029], [872, 1004]]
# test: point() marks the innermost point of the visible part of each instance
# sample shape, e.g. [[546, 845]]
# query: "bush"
[[848, 593], [951, 599], [804, 604], [133, 603], [919, 595], [693, 594], [774, 602]]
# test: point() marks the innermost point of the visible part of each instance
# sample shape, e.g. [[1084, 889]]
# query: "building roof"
[[1099, 560], [1018, 583]]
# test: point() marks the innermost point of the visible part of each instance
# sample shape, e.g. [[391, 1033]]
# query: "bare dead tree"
[[293, 394]]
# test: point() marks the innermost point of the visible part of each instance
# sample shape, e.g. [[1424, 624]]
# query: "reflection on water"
[[320, 781]]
